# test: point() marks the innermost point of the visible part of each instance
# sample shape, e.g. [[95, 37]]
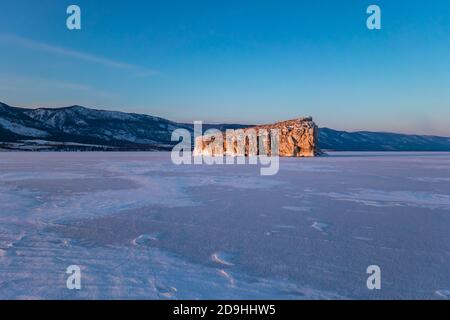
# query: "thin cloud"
[[23, 42], [19, 84]]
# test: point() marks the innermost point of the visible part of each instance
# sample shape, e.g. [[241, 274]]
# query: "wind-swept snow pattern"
[[140, 227]]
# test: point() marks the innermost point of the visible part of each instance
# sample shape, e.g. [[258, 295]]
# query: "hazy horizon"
[[250, 63]]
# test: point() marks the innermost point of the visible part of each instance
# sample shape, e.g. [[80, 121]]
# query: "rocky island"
[[295, 138]]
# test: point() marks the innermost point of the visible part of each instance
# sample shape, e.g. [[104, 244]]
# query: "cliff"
[[294, 138]]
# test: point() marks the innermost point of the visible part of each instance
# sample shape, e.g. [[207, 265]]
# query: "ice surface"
[[320, 226], [142, 228]]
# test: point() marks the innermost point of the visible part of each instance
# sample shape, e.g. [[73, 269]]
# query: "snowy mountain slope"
[[22, 130], [129, 131], [14, 124], [86, 126], [330, 139], [109, 126]]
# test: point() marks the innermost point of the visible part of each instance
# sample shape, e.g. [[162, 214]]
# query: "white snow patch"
[[299, 209], [219, 259], [319, 226]]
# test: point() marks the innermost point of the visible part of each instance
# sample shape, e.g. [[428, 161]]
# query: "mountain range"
[[78, 128]]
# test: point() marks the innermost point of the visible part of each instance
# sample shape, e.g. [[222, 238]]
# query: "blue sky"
[[235, 61]]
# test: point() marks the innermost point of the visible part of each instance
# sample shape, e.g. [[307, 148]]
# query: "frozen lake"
[[141, 227]]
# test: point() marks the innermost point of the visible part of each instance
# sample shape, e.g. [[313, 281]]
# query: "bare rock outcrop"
[[292, 138]]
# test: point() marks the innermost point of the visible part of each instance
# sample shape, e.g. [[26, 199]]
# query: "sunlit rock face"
[[294, 138]]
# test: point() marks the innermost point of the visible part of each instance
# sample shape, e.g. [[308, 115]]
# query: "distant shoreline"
[[79, 128]]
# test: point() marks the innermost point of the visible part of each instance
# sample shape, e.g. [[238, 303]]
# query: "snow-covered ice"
[[142, 228]]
